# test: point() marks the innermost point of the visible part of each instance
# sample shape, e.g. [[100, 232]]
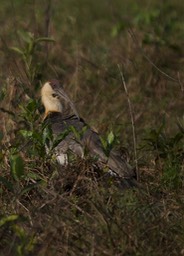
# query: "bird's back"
[[87, 140]]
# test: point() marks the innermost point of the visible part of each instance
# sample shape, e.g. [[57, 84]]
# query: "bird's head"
[[55, 99]]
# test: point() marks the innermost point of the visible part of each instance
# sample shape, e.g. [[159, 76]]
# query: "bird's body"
[[61, 115]]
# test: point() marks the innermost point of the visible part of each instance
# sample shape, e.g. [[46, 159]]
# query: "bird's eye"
[[54, 95]]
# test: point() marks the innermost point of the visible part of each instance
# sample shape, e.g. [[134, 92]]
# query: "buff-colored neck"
[[51, 104]]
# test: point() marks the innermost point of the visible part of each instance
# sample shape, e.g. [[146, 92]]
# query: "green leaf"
[[10, 218], [104, 143], [30, 49], [59, 138], [32, 105], [47, 135], [26, 134], [17, 50], [75, 132], [84, 129], [44, 39], [26, 36], [17, 166], [110, 138]]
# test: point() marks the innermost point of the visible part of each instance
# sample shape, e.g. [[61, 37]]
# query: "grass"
[[50, 210]]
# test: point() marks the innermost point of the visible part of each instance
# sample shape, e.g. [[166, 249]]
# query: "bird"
[[63, 118]]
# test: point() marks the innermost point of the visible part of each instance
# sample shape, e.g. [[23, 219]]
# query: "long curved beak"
[[63, 95]]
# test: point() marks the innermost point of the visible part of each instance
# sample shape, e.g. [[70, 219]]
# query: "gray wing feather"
[[89, 140]]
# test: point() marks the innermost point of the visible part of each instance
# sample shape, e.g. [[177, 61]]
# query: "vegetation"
[[122, 64]]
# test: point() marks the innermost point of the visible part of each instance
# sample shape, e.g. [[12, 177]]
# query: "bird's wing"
[[73, 126], [87, 139], [114, 161], [118, 164]]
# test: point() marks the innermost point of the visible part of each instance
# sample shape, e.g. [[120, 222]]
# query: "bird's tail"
[[118, 164]]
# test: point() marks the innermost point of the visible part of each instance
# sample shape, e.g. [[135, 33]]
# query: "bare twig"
[[132, 34], [47, 17], [47, 24], [132, 119], [180, 83]]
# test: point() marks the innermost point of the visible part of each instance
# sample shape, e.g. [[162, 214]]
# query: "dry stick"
[[132, 34], [47, 25], [180, 83], [132, 119]]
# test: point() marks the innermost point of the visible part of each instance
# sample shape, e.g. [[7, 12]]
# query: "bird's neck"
[[63, 115], [50, 104], [49, 112]]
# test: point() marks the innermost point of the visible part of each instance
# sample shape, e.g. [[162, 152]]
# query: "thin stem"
[[132, 119], [132, 34]]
